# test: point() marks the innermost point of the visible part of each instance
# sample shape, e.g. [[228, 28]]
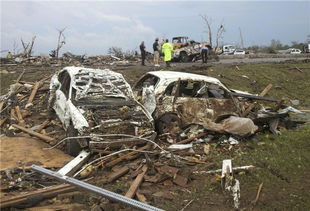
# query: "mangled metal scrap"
[[94, 101], [229, 183], [183, 99]]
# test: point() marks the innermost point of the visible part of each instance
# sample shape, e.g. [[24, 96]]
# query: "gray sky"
[[94, 26]]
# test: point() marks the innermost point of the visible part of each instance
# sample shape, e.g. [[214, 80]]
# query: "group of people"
[[166, 49]]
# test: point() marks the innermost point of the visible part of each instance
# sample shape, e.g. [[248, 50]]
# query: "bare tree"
[[208, 23], [115, 51], [28, 47], [219, 33], [61, 41]]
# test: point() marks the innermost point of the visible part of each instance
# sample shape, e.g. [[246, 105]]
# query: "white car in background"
[[239, 52], [294, 51]]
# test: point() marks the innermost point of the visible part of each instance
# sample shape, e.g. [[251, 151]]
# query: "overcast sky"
[[94, 26]]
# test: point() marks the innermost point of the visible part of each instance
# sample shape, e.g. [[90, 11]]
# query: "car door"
[[194, 101], [62, 97]]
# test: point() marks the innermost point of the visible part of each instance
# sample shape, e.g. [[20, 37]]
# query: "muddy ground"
[[282, 163]]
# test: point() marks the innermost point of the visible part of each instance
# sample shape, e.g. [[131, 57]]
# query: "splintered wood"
[[48, 192], [42, 126], [33, 133], [128, 156], [19, 116], [262, 94], [136, 183], [33, 93]]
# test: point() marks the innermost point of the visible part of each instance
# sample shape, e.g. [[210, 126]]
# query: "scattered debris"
[[114, 137], [100, 191]]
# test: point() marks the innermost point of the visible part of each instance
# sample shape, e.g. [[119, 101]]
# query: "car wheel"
[[184, 57], [169, 123], [73, 147]]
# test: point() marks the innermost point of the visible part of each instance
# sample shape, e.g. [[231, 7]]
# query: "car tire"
[[168, 123], [184, 57], [73, 147]]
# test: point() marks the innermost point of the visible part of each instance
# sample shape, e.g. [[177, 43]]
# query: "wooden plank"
[[307, 111], [115, 175], [191, 138], [42, 126], [141, 197], [136, 183], [33, 133], [266, 90], [13, 114], [1, 105], [3, 121], [27, 82], [126, 156], [41, 194], [262, 94], [258, 193], [113, 144], [20, 77], [33, 93], [19, 116]]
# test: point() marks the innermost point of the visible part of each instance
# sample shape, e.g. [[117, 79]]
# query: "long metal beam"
[[108, 194]]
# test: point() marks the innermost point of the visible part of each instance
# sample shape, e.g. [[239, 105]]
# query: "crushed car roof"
[[183, 76], [75, 70], [97, 82]]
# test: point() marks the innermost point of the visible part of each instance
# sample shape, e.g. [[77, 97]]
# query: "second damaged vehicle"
[[98, 105], [177, 100]]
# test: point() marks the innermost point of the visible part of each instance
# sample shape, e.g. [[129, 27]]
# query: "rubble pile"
[[138, 166], [71, 59]]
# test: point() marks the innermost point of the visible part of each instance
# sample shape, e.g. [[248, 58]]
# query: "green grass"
[[288, 83], [282, 165]]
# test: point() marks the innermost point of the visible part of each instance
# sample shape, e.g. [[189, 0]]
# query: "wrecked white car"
[[97, 103], [178, 99]]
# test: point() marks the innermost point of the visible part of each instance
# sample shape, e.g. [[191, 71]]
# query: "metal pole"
[[108, 194]]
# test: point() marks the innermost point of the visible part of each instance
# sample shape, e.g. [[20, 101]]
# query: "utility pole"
[[241, 38]]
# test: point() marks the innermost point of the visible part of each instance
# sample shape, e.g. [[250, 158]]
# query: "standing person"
[[143, 52], [204, 53], [156, 48], [167, 50]]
